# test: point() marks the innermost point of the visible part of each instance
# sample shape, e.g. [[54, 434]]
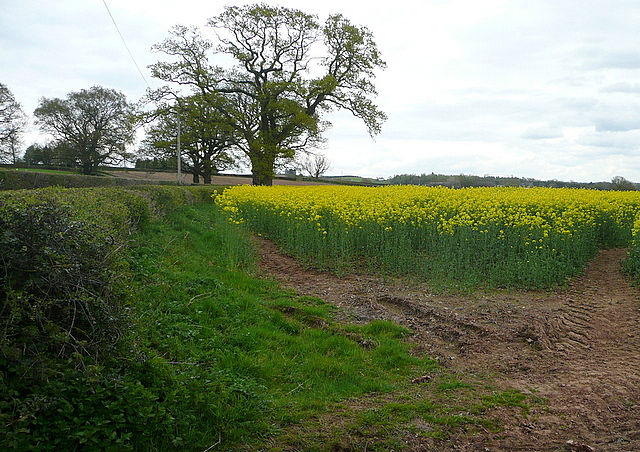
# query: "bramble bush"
[[61, 294], [71, 375]]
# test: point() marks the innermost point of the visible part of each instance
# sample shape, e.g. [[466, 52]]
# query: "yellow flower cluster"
[[437, 227], [544, 209]]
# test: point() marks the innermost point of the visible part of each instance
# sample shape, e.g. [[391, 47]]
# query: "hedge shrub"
[[60, 291], [11, 179], [71, 375]]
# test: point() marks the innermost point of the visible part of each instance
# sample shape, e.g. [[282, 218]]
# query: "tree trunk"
[[262, 168], [196, 169], [206, 171], [261, 179], [87, 167]]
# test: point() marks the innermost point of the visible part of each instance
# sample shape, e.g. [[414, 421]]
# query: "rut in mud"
[[579, 349]]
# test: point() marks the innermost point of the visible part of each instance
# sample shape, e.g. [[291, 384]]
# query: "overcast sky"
[[548, 89]]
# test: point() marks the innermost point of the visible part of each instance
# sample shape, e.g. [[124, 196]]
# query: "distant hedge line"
[[11, 179]]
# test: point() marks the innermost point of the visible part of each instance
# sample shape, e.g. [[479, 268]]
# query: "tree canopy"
[[13, 122], [288, 72], [38, 153], [206, 138], [94, 124]]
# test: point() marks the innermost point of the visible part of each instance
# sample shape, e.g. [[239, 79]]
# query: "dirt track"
[[578, 349]]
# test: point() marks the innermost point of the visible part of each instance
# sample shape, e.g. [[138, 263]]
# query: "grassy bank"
[[258, 357], [272, 370], [205, 355]]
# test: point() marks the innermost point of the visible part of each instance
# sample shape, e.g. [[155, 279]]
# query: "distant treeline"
[[463, 180]]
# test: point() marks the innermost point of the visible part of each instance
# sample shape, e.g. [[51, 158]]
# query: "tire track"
[[578, 349], [591, 369]]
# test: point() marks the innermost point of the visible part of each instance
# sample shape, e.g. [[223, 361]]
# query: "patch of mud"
[[578, 349]]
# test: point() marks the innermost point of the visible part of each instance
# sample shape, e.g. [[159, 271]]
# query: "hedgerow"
[[15, 179], [71, 376]]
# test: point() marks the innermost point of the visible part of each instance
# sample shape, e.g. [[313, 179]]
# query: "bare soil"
[[577, 348]]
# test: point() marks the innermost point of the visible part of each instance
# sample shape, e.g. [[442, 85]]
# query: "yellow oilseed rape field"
[[500, 237]]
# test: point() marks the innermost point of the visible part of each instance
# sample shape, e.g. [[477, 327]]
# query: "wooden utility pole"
[[179, 152]]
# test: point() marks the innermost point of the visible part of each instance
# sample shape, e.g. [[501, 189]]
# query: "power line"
[[125, 44]]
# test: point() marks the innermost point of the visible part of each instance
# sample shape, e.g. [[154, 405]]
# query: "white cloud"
[[542, 132], [532, 88], [622, 87]]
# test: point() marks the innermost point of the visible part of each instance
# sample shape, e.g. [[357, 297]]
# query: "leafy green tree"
[[620, 183], [206, 138], [280, 87], [95, 125], [13, 122], [39, 154], [155, 163]]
